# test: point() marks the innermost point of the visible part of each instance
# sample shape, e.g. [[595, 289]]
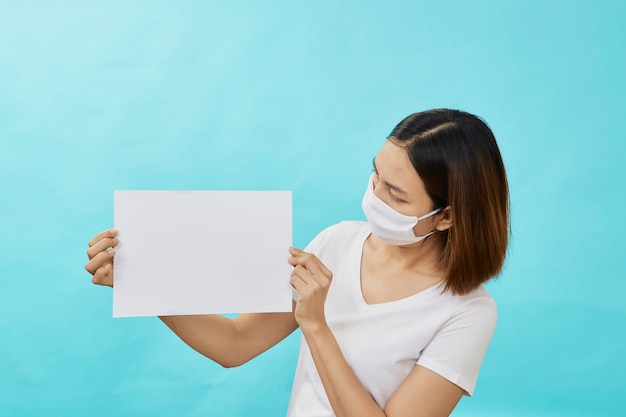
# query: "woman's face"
[[397, 184]]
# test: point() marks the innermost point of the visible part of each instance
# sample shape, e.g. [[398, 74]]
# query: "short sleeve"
[[458, 348]]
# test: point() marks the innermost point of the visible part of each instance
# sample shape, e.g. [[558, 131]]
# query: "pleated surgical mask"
[[389, 225]]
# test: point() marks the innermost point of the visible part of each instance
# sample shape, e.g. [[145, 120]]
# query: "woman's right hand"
[[101, 255]]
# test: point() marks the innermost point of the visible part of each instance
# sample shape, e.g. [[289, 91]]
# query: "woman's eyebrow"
[[392, 186]]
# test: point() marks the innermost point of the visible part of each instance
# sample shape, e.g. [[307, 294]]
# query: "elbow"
[[231, 362], [228, 364]]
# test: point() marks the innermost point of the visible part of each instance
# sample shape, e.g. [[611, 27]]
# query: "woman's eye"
[[394, 197]]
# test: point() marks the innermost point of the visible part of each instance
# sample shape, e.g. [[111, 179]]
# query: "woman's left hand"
[[311, 279]]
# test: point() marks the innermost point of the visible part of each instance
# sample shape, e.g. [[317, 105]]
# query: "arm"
[[423, 392], [229, 342], [232, 342]]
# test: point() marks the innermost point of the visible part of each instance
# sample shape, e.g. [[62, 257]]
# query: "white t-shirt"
[[445, 333]]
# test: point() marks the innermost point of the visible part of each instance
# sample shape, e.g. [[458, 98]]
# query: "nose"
[[378, 191]]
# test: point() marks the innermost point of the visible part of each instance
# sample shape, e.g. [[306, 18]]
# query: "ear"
[[445, 219]]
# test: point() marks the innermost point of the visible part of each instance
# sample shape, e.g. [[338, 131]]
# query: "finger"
[[294, 255], [297, 280], [300, 272], [295, 251], [104, 276], [101, 246], [310, 262], [109, 233], [299, 257], [99, 260], [309, 280], [301, 279], [296, 260]]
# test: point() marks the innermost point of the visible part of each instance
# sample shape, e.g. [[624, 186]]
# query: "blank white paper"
[[201, 252]]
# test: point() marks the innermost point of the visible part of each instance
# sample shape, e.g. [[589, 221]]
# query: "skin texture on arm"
[[422, 394], [232, 342]]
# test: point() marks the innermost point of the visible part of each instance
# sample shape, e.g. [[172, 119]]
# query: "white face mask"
[[389, 225]]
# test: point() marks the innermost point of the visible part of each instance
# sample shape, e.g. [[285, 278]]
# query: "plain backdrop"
[[284, 95]]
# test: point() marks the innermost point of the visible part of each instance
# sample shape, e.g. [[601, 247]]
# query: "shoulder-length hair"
[[456, 156]]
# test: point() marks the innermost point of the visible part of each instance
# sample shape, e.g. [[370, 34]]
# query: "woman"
[[394, 318]]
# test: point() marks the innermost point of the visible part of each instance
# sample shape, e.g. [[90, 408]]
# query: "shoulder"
[[479, 302], [475, 309], [469, 318], [457, 348], [472, 316]]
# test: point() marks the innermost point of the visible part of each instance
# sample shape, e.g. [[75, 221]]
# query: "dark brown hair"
[[456, 156]]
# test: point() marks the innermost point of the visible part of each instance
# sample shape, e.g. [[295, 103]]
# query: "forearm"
[[213, 336], [232, 342], [345, 392]]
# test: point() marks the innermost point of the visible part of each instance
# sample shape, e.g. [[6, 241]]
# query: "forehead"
[[394, 166]]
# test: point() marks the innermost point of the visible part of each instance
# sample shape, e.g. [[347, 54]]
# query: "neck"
[[421, 257]]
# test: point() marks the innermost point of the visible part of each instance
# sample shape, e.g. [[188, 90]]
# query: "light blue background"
[[97, 96]]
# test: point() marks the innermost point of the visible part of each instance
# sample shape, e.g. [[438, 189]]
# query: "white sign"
[[201, 252]]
